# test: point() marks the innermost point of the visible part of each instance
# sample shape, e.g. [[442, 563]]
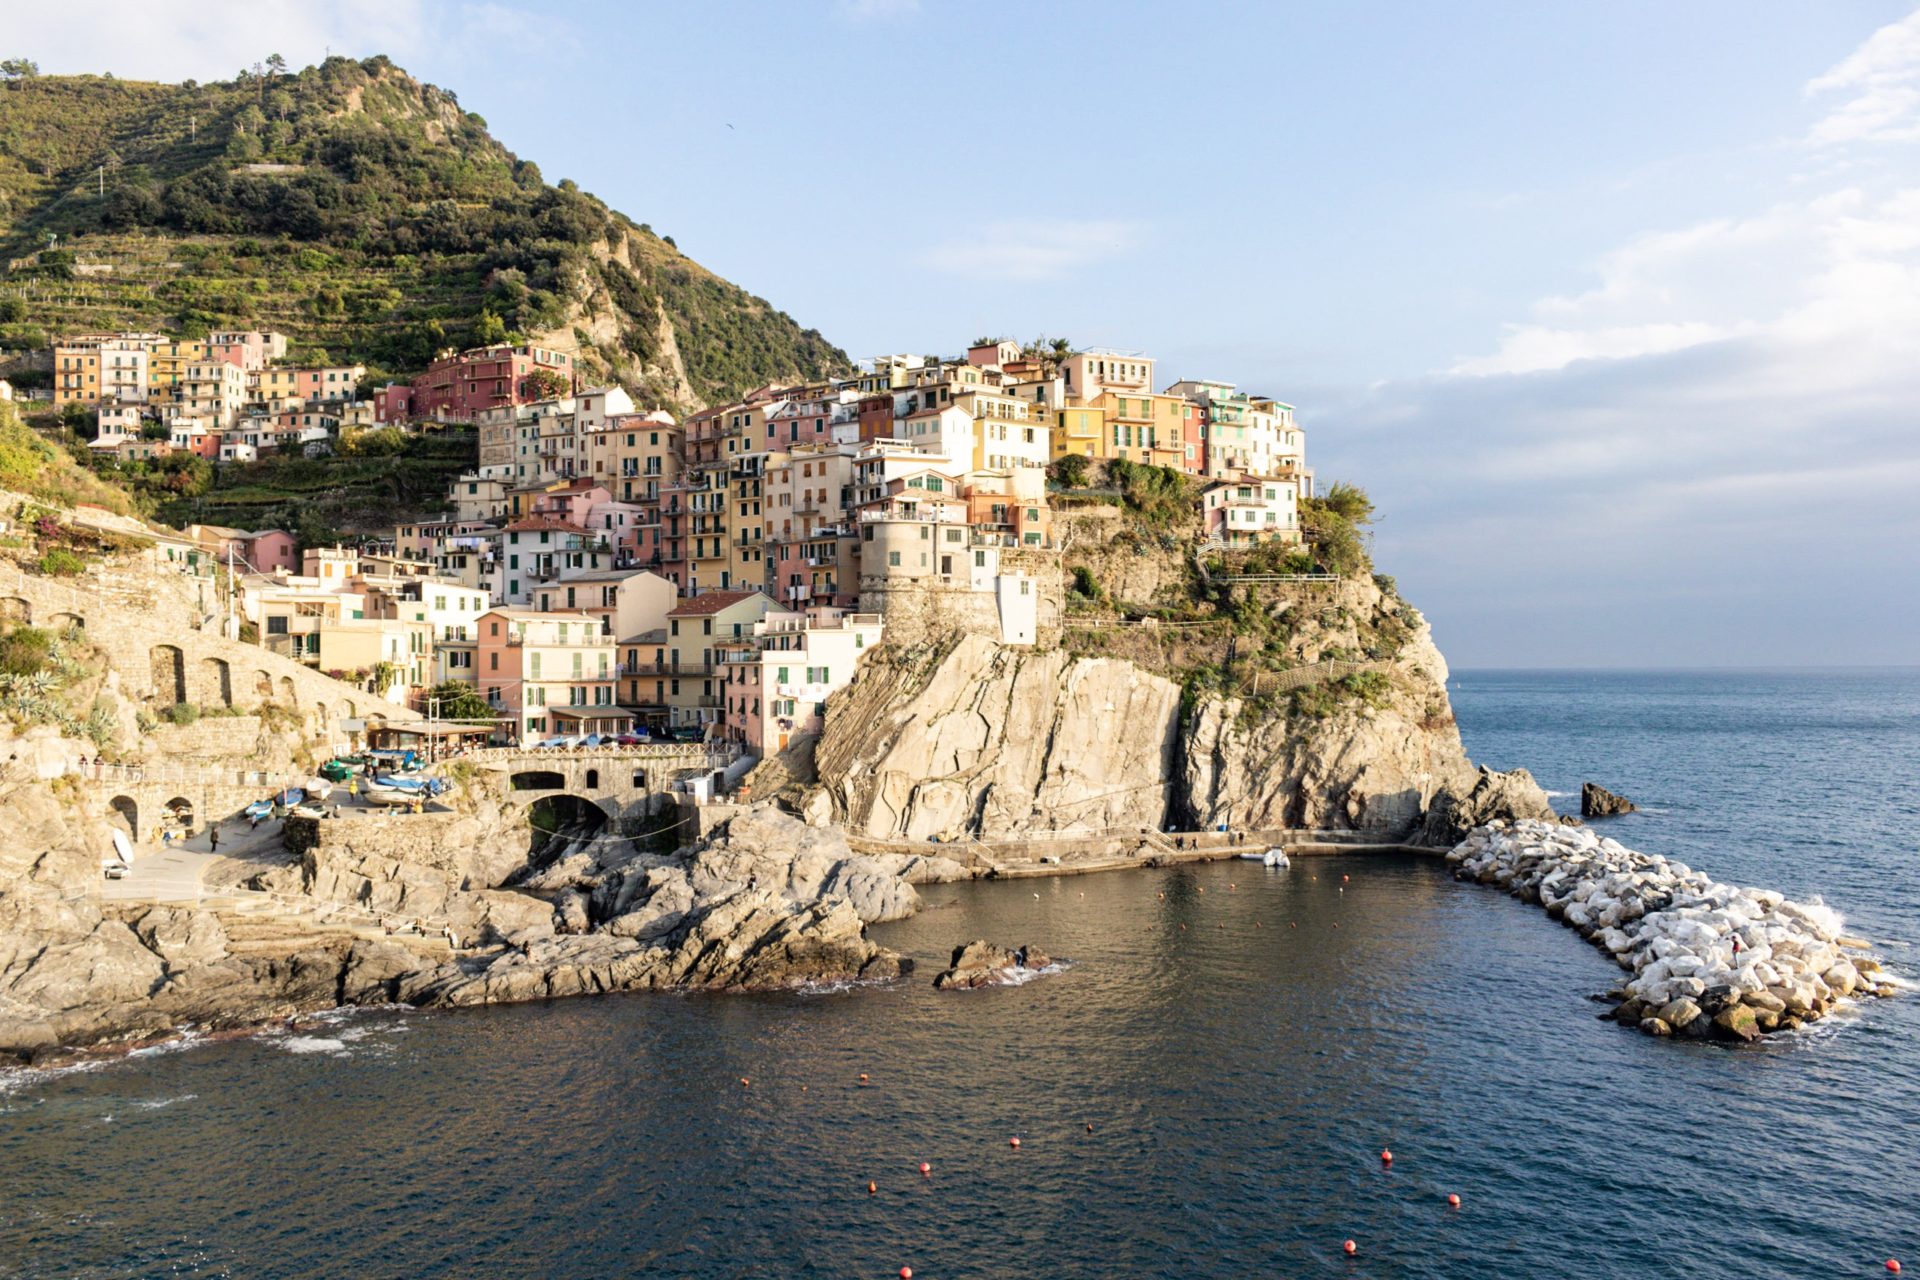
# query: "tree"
[[459, 701], [276, 65], [13, 309], [18, 69], [1069, 471], [545, 384]]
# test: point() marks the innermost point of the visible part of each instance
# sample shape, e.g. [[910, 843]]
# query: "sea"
[[1203, 1088]]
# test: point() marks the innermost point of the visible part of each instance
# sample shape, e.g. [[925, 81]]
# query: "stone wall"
[[925, 611]]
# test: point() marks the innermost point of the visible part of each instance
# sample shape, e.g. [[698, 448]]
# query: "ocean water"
[[1206, 1100]]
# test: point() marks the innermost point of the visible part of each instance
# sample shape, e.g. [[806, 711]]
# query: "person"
[[213, 838], [353, 786], [166, 838], [1736, 951]]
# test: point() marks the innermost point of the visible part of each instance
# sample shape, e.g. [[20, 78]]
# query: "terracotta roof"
[[710, 602], [536, 524]]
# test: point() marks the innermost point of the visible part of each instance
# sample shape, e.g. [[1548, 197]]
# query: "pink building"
[[248, 349], [570, 504], [775, 687], [459, 385], [548, 674], [271, 551]]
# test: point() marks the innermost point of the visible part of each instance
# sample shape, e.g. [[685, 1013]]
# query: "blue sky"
[[1614, 308]]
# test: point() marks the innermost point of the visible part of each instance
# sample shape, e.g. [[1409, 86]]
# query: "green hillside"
[[364, 214]]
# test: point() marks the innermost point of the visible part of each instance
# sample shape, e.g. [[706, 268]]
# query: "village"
[[609, 574]]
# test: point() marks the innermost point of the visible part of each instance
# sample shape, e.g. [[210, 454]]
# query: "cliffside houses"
[[603, 569], [229, 397]]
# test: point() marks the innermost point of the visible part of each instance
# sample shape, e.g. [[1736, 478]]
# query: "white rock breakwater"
[[1708, 959]]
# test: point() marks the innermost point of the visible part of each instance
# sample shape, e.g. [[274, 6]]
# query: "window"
[[893, 559]]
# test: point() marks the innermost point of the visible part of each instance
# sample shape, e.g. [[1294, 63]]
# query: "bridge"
[[620, 781]]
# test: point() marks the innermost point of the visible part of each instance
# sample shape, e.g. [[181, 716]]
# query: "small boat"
[[258, 811], [311, 810], [291, 797], [337, 771], [377, 793], [424, 787], [318, 788], [1252, 857], [1276, 857]]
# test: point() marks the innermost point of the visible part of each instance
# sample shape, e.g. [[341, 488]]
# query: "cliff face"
[[982, 740]]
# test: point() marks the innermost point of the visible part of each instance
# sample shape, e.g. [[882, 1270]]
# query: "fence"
[[175, 775], [1301, 677]]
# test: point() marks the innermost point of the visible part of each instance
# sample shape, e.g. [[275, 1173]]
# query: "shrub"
[[181, 713], [25, 651], [61, 563]]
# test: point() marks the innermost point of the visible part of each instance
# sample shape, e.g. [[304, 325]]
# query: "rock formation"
[[1708, 959], [1598, 802], [987, 741], [982, 964]]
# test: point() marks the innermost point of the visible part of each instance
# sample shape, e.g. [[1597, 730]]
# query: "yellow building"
[[167, 366], [76, 369], [1081, 429]]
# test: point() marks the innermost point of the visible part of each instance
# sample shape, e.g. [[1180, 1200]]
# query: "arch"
[[15, 609], [180, 812], [67, 622], [593, 779], [346, 708], [286, 692], [263, 686], [560, 823], [216, 682], [322, 725], [128, 810], [169, 671], [539, 780]]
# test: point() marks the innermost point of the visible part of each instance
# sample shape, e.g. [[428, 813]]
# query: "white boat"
[[1276, 857], [377, 794], [1253, 857]]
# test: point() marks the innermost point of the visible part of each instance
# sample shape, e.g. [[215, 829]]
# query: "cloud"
[[1878, 85], [1706, 458], [1029, 249], [135, 40]]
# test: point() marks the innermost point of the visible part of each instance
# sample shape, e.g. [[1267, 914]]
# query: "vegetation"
[[39, 672], [459, 700], [32, 465], [362, 213], [1336, 527], [381, 476]]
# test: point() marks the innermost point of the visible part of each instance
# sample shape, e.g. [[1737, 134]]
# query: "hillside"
[[364, 214]]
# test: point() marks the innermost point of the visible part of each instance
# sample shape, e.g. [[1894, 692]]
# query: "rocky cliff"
[[1257, 726]]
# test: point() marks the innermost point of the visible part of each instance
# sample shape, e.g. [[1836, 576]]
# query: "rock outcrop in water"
[[1598, 802], [982, 964], [1708, 959]]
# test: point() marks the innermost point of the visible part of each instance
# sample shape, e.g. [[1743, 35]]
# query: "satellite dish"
[[121, 847]]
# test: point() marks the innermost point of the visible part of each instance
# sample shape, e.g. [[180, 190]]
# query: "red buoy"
[[745, 1083], [1345, 878], [1013, 1142], [925, 1168], [906, 1273], [1089, 1128], [1893, 1264], [863, 1077], [1453, 1202], [872, 1188], [1386, 1157], [1351, 1248]]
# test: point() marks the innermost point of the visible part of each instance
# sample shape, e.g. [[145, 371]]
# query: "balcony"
[[696, 670]]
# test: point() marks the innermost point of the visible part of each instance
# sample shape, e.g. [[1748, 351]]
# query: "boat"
[[377, 793], [1252, 857], [290, 797], [424, 787], [318, 788], [258, 810], [311, 810], [1276, 857], [337, 771]]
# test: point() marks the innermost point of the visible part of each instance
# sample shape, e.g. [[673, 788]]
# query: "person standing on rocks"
[[213, 838]]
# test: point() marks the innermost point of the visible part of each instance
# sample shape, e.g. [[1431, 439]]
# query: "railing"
[[174, 775], [1278, 577], [666, 669]]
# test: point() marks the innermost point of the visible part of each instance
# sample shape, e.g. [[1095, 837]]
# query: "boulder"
[[875, 892], [1598, 802], [1493, 797], [1656, 1026], [1736, 1022], [570, 912], [981, 963]]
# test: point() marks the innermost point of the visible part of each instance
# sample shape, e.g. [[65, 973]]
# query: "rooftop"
[[711, 602]]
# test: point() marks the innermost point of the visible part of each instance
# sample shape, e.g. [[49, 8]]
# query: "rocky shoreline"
[[1708, 959]]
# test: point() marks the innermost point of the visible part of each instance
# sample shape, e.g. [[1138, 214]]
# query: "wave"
[[155, 1104], [312, 1044]]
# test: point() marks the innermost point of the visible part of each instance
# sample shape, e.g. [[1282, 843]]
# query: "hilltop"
[[361, 212]]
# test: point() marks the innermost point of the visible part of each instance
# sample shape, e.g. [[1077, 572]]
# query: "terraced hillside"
[[361, 212]]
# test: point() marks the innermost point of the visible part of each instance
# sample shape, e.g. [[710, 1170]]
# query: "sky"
[[1614, 309]]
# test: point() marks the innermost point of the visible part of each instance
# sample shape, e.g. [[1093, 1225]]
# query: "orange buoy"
[[1386, 1157], [925, 1169], [1893, 1264], [1089, 1128], [863, 1077], [1013, 1142], [1453, 1202], [906, 1273], [803, 1088], [745, 1083], [1232, 887], [1344, 879], [1351, 1248], [1293, 924], [872, 1188]]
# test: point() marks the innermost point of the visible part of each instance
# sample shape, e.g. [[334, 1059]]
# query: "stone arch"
[[539, 780], [287, 694], [593, 779], [216, 682], [180, 812], [263, 687], [67, 622], [346, 708], [321, 724], [559, 822], [15, 609], [169, 668], [128, 810]]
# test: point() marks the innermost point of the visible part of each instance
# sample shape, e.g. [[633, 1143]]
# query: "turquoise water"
[[1240, 1075]]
